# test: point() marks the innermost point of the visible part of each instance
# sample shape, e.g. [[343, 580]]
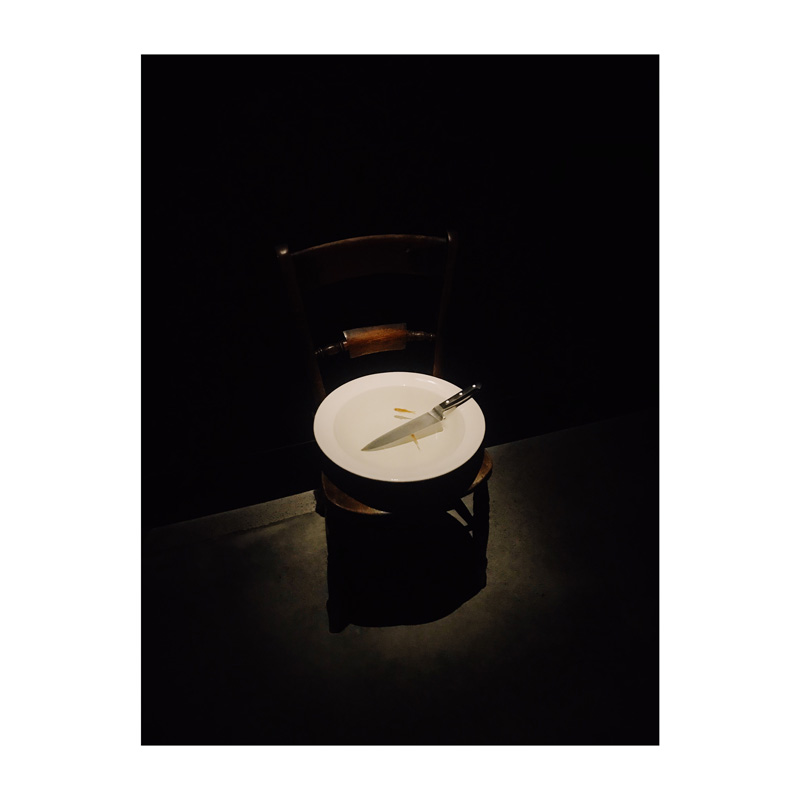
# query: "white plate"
[[363, 409]]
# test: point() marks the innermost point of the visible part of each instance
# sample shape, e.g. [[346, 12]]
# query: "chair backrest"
[[366, 295]]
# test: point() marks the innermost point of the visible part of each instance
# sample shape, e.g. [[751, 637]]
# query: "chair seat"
[[341, 500]]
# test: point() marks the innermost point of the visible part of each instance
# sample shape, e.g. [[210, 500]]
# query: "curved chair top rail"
[[360, 256]]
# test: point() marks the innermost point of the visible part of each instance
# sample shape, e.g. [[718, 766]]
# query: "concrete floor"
[[559, 647]]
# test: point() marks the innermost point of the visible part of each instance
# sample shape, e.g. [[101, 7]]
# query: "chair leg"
[[480, 533], [336, 604], [320, 506]]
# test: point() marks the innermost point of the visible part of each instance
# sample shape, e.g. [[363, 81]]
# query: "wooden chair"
[[336, 291]]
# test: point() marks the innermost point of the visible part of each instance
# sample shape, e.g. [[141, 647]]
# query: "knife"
[[436, 414]]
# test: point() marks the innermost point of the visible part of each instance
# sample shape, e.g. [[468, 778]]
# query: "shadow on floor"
[[400, 569], [560, 647]]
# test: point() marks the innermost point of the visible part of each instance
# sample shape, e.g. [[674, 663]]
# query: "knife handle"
[[458, 399]]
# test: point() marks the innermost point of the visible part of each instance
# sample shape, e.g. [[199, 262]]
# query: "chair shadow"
[[401, 569]]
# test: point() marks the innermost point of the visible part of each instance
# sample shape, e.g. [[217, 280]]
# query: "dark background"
[[546, 166]]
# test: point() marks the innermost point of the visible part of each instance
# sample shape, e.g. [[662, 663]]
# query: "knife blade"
[[436, 414]]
